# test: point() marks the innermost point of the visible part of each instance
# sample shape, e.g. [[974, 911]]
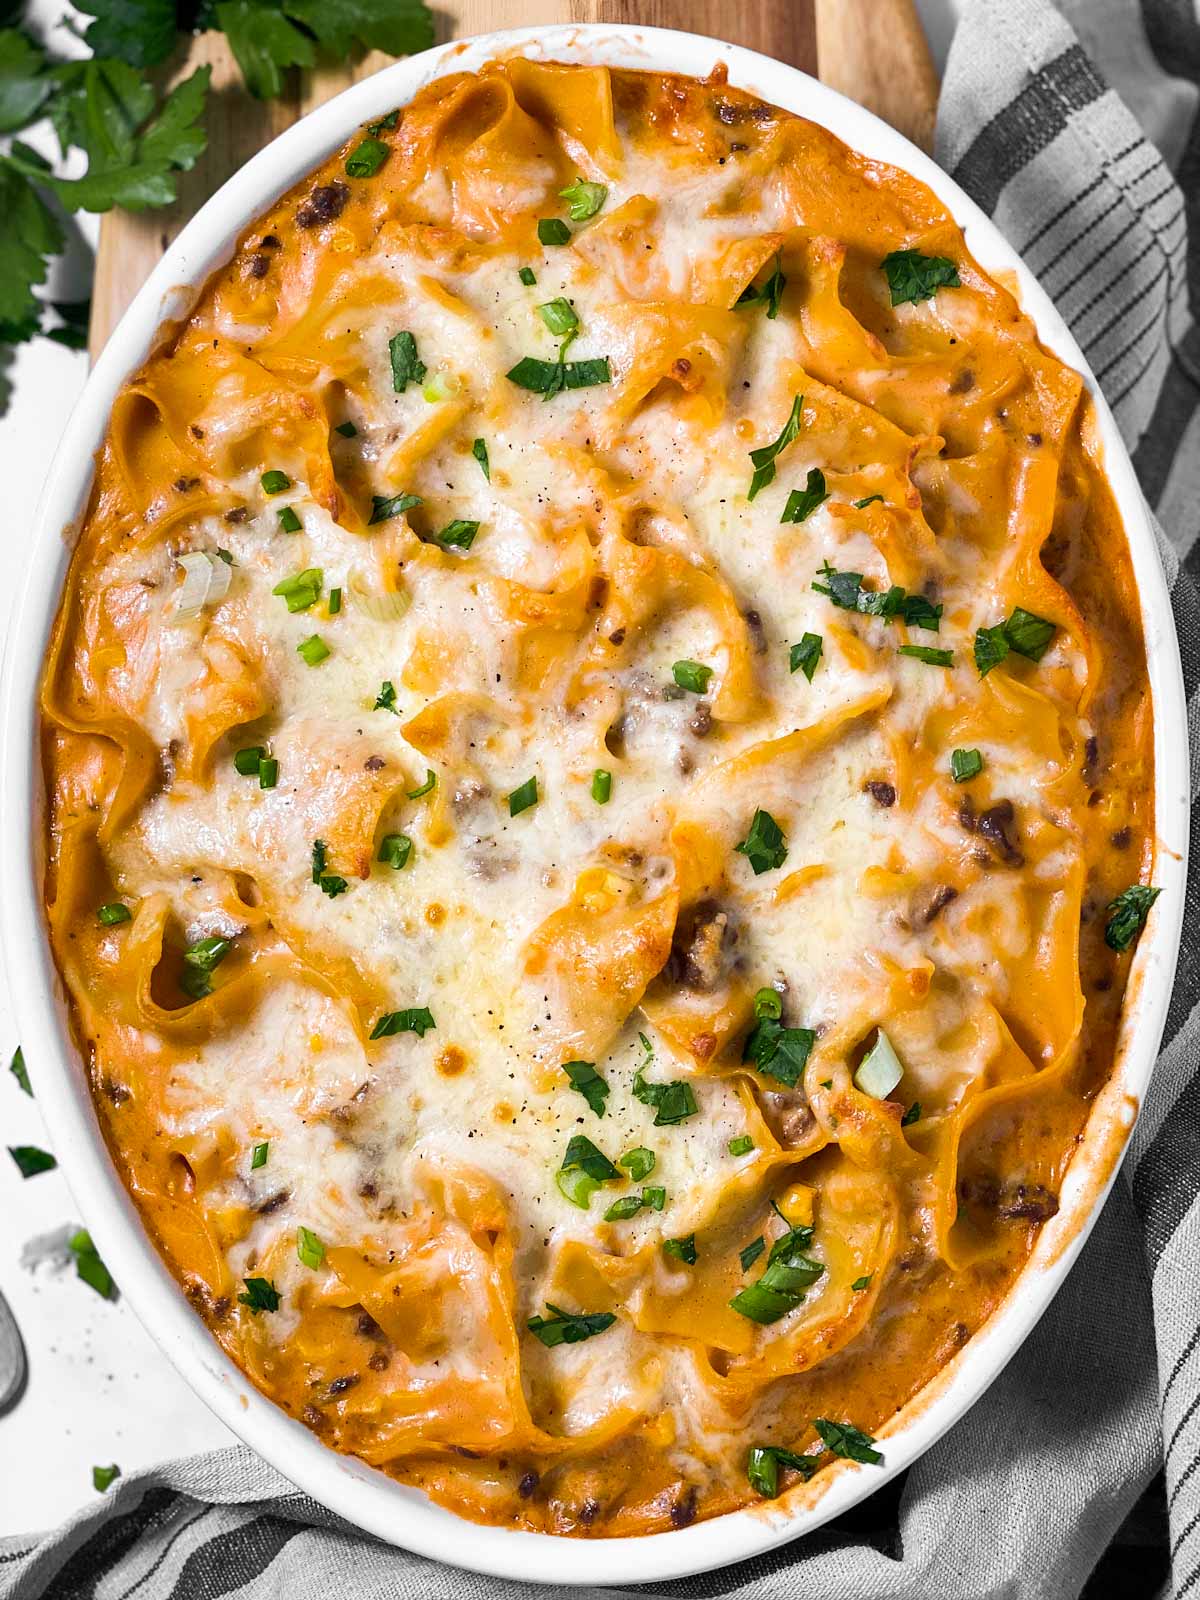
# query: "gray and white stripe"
[[1025, 1495]]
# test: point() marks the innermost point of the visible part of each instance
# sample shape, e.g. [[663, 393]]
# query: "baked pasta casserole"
[[599, 773]]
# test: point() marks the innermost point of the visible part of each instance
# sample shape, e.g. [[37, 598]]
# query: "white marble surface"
[[99, 1390]]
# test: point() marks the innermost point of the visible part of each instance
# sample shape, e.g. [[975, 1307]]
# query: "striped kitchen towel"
[[1077, 129]]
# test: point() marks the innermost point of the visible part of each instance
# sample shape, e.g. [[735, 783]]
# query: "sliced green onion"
[[309, 1248], [113, 913], [523, 797], [275, 482], [552, 230], [394, 850], [692, 676]]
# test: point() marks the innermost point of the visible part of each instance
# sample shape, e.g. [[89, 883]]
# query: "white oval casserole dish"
[[363, 1496]]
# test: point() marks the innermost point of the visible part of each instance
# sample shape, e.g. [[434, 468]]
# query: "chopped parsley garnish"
[[779, 1052], [1023, 632], [805, 655], [913, 1114], [385, 700], [104, 1477], [334, 602], [19, 1071], [459, 532], [867, 500], [261, 1295], [413, 1019], [763, 459], [200, 961], [568, 1327], [225, 556], [302, 590], [523, 797], [741, 1146], [862, 1283], [583, 1170], [925, 653], [30, 1160], [89, 1266], [113, 913], [548, 377], [673, 1102], [1027, 634], [913, 276], [275, 482], [347, 429], [681, 1249], [639, 1162], [559, 315], [527, 276], [764, 846], [845, 590], [692, 676], [770, 294], [258, 1157], [310, 1249], [847, 1441], [1129, 912], [552, 230], [965, 765], [385, 506], [313, 650], [392, 120], [480, 451], [780, 1289], [763, 1464], [749, 1253], [584, 1077], [365, 160], [601, 786], [426, 788], [583, 200], [407, 366], [288, 520], [394, 850], [801, 503], [328, 882]]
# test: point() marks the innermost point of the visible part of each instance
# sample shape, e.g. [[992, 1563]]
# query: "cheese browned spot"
[[400, 959]]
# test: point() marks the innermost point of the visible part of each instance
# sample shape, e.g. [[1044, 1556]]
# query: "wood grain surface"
[[872, 50]]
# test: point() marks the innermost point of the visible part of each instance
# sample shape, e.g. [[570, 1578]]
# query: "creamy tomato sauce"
[[597, 713]]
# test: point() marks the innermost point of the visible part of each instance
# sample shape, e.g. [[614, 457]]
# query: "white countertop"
[[99, 1390]]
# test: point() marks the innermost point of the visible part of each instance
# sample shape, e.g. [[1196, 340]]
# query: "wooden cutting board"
[[872, 50]]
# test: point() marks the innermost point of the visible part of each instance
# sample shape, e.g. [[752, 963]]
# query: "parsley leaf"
[[779, 1052], [1023, 632], [19, 1071], [266, 38], [29, 235], [763, 459], [385, 506], [548, 377], [681, 1249], [140, 32], [584, 1077], [89, 1266], [913, 276], [801, 503], [407, 366], [108, 110], [805, 654], [568, 1327], [414, 1019], [1129, 912], [764, 845], [24, 84], [261, 1295], [770, 294], [30, 1160], [673, 1102], [789, 1273]]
